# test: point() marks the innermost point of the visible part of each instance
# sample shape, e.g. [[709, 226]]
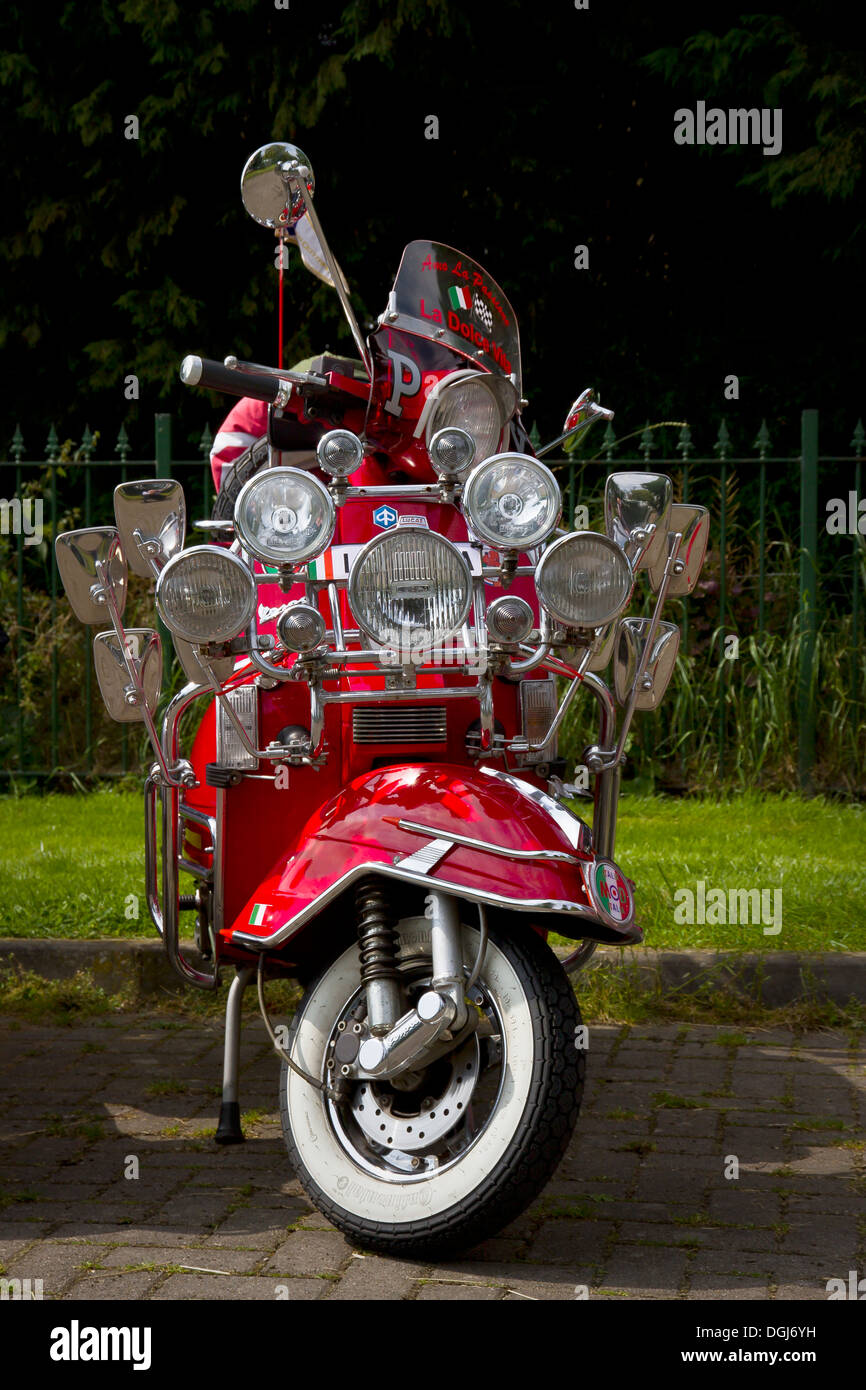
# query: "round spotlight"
[[339, 453], [509, 619], [284, 516], [206, 594], [584, 580], [512, 501], [451, 452], [301, 627]]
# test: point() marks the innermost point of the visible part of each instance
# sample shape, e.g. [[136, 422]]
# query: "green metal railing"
[[692, 473], [76, 485], [67, 473]]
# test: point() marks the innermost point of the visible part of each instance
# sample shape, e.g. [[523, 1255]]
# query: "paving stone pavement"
[[644, 1206]]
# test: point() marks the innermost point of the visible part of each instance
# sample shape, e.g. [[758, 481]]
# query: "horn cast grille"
[[400, 724]]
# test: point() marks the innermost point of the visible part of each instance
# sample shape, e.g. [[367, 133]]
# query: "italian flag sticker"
[[258, 914], [459, 298], [323, 568]]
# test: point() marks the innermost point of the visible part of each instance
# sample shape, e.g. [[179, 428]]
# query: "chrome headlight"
[[284, 516], [206, 594], [477, 402], [410, 583], [512, 501], [584, 580]]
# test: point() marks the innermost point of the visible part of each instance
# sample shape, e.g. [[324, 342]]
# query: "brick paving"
[[642, 1207]]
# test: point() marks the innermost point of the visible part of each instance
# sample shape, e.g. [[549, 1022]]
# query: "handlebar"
[[202, 371]]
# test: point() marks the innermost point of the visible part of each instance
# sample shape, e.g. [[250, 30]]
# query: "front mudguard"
[[480, 834]]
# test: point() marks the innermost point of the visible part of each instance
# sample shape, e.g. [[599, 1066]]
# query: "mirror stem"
[[298, 184], [674, 542]]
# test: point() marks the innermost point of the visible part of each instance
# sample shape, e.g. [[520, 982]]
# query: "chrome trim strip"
[[416, 828], [541, 905]]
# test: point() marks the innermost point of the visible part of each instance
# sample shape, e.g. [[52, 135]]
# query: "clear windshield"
[[447, 297]]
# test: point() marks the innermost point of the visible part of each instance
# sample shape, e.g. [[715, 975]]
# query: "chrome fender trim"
[[569, 911]]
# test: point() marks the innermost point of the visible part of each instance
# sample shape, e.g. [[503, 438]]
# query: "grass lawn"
[[74, 865]]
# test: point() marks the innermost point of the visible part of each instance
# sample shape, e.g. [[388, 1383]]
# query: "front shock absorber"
[[377, 943]]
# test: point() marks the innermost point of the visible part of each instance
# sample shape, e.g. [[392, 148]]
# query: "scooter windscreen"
[[447, 297]]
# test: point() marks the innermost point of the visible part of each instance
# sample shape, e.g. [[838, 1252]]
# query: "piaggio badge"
[[385, 518]]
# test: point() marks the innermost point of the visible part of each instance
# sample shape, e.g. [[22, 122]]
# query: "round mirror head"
[[268, 196]]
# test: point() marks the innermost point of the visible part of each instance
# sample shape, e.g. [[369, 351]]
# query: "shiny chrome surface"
[[637, 509], [80, 556], [400, 724], [540, 906], [407, 1042], [126, 703], [693, 524], [416, 828], [581, 414], [151, 518], [658, 666], [267, 195]]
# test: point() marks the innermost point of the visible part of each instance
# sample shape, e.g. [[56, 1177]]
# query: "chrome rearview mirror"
[[269, 197], [581, 414], [151, 519], [78, 554], [118, 690], [693, 524], [659, 667], [636, 515]]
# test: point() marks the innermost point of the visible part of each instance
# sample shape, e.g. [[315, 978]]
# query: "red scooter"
[[388, 627]]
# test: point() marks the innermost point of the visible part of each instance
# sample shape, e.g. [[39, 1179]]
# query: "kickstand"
[[229, 1128]]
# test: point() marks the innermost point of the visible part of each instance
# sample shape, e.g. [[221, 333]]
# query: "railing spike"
[[123, 446], [17, 450], [762, 443], [859, 439], [206, 441], [647, 443], [723, 441], [609, 442], [685, 446]]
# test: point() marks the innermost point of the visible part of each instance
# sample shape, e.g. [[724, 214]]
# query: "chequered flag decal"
[[482, 311]]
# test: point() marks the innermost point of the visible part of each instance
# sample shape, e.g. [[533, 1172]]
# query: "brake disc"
[[372, 1107]]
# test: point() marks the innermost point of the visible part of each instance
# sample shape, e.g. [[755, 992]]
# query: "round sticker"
[[612, 891]]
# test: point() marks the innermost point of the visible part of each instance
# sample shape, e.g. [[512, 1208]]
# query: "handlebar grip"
[[201, 371]]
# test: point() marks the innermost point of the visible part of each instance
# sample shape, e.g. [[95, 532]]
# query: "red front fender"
[[412, 822]]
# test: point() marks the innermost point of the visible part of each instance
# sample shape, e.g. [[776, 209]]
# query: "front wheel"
[[443, 1157]]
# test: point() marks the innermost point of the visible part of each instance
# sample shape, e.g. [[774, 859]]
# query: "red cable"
[[280, 329]]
